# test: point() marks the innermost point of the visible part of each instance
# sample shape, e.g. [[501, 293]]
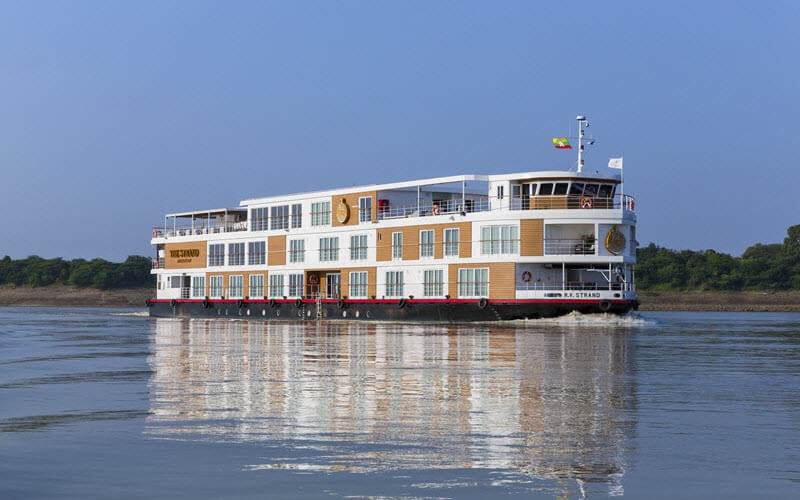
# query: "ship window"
[[365, 209], [235, 254], [235, 285], [576, 189], [256, 288], [256, 252], [561, 188], [473, 282], [358, 247], [198, 286], [297, 215], [451, 242], [605, 191], [297, 250], [296, 285], [175, 281], [215, 286], [397, 245], [258, 219], [216, 255], [496, 240], [394, 283], [433, 283], [358, 284], [546, 188], [534, 186], [279, 217], [590, 189], [320, 213], [275, 285], [329, 249], [426, 243]]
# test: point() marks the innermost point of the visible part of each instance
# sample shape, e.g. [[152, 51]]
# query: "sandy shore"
[[66, 296]]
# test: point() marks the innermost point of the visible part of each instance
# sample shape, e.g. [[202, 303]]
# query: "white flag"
[[615, 163]]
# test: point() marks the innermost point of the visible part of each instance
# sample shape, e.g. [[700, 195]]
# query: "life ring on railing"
[[605, 305], [483, 303], [298, 302], [173, 302], [313, 279], [632, 204], [435, 209], [526, 276], [586, 203]]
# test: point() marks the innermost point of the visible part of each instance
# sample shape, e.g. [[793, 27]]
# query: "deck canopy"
[[205, 221]]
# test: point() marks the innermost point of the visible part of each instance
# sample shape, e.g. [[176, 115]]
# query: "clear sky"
[[115, 113]]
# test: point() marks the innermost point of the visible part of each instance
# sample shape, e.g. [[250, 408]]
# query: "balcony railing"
[[572, 286], [188, 230], [569, 246]]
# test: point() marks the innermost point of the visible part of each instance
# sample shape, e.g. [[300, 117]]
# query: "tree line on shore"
[[761, 267], [36, 271], [774, 266]]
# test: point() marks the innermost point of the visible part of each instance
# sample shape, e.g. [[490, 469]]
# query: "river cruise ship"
[[449, 249]]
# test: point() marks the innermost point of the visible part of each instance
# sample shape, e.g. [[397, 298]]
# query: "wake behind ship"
[[450, 249]]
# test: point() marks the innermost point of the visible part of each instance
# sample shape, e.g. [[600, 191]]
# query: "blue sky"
[[114, 113]]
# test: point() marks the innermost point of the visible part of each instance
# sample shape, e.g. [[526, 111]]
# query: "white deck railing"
[[445, 207]]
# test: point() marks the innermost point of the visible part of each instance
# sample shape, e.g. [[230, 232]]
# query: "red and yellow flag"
[[561, 143]]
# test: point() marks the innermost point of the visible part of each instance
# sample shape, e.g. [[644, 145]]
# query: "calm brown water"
[[107, 403]]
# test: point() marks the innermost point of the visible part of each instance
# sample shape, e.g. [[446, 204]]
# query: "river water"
[[108, 403]]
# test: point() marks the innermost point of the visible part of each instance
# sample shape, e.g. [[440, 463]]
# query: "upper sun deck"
[[462, 194]]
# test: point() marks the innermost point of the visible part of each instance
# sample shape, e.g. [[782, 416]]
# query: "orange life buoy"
[[526, 276], [631, 203], [313, 279], [586, 203], [435, 209]]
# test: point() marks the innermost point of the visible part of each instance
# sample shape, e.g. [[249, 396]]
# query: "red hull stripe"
[[395, 301]]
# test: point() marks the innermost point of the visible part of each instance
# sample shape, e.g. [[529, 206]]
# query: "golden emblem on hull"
[[342, 211], [615, 241]]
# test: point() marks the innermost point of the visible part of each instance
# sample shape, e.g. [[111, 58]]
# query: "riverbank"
[[784, 301], [70, 296], [67, 296]]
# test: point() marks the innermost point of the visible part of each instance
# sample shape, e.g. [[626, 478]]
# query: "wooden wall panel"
[[372, 276], [531, 237], [501, 279], [276, 250], [383, 238], [383, 245], [351, 200], [189, 255], [411, 242]]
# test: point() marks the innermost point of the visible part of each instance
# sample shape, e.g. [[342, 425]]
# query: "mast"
[[582, 122]]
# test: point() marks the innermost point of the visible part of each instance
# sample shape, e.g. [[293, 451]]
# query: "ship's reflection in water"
[[530, 403]]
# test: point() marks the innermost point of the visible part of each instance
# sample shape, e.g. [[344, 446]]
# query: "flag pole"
[[622, 184], [581, 122]]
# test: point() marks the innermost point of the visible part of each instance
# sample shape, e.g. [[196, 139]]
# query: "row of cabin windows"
[[472, 282], [329, 247], [286, 216], [562, 189]]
